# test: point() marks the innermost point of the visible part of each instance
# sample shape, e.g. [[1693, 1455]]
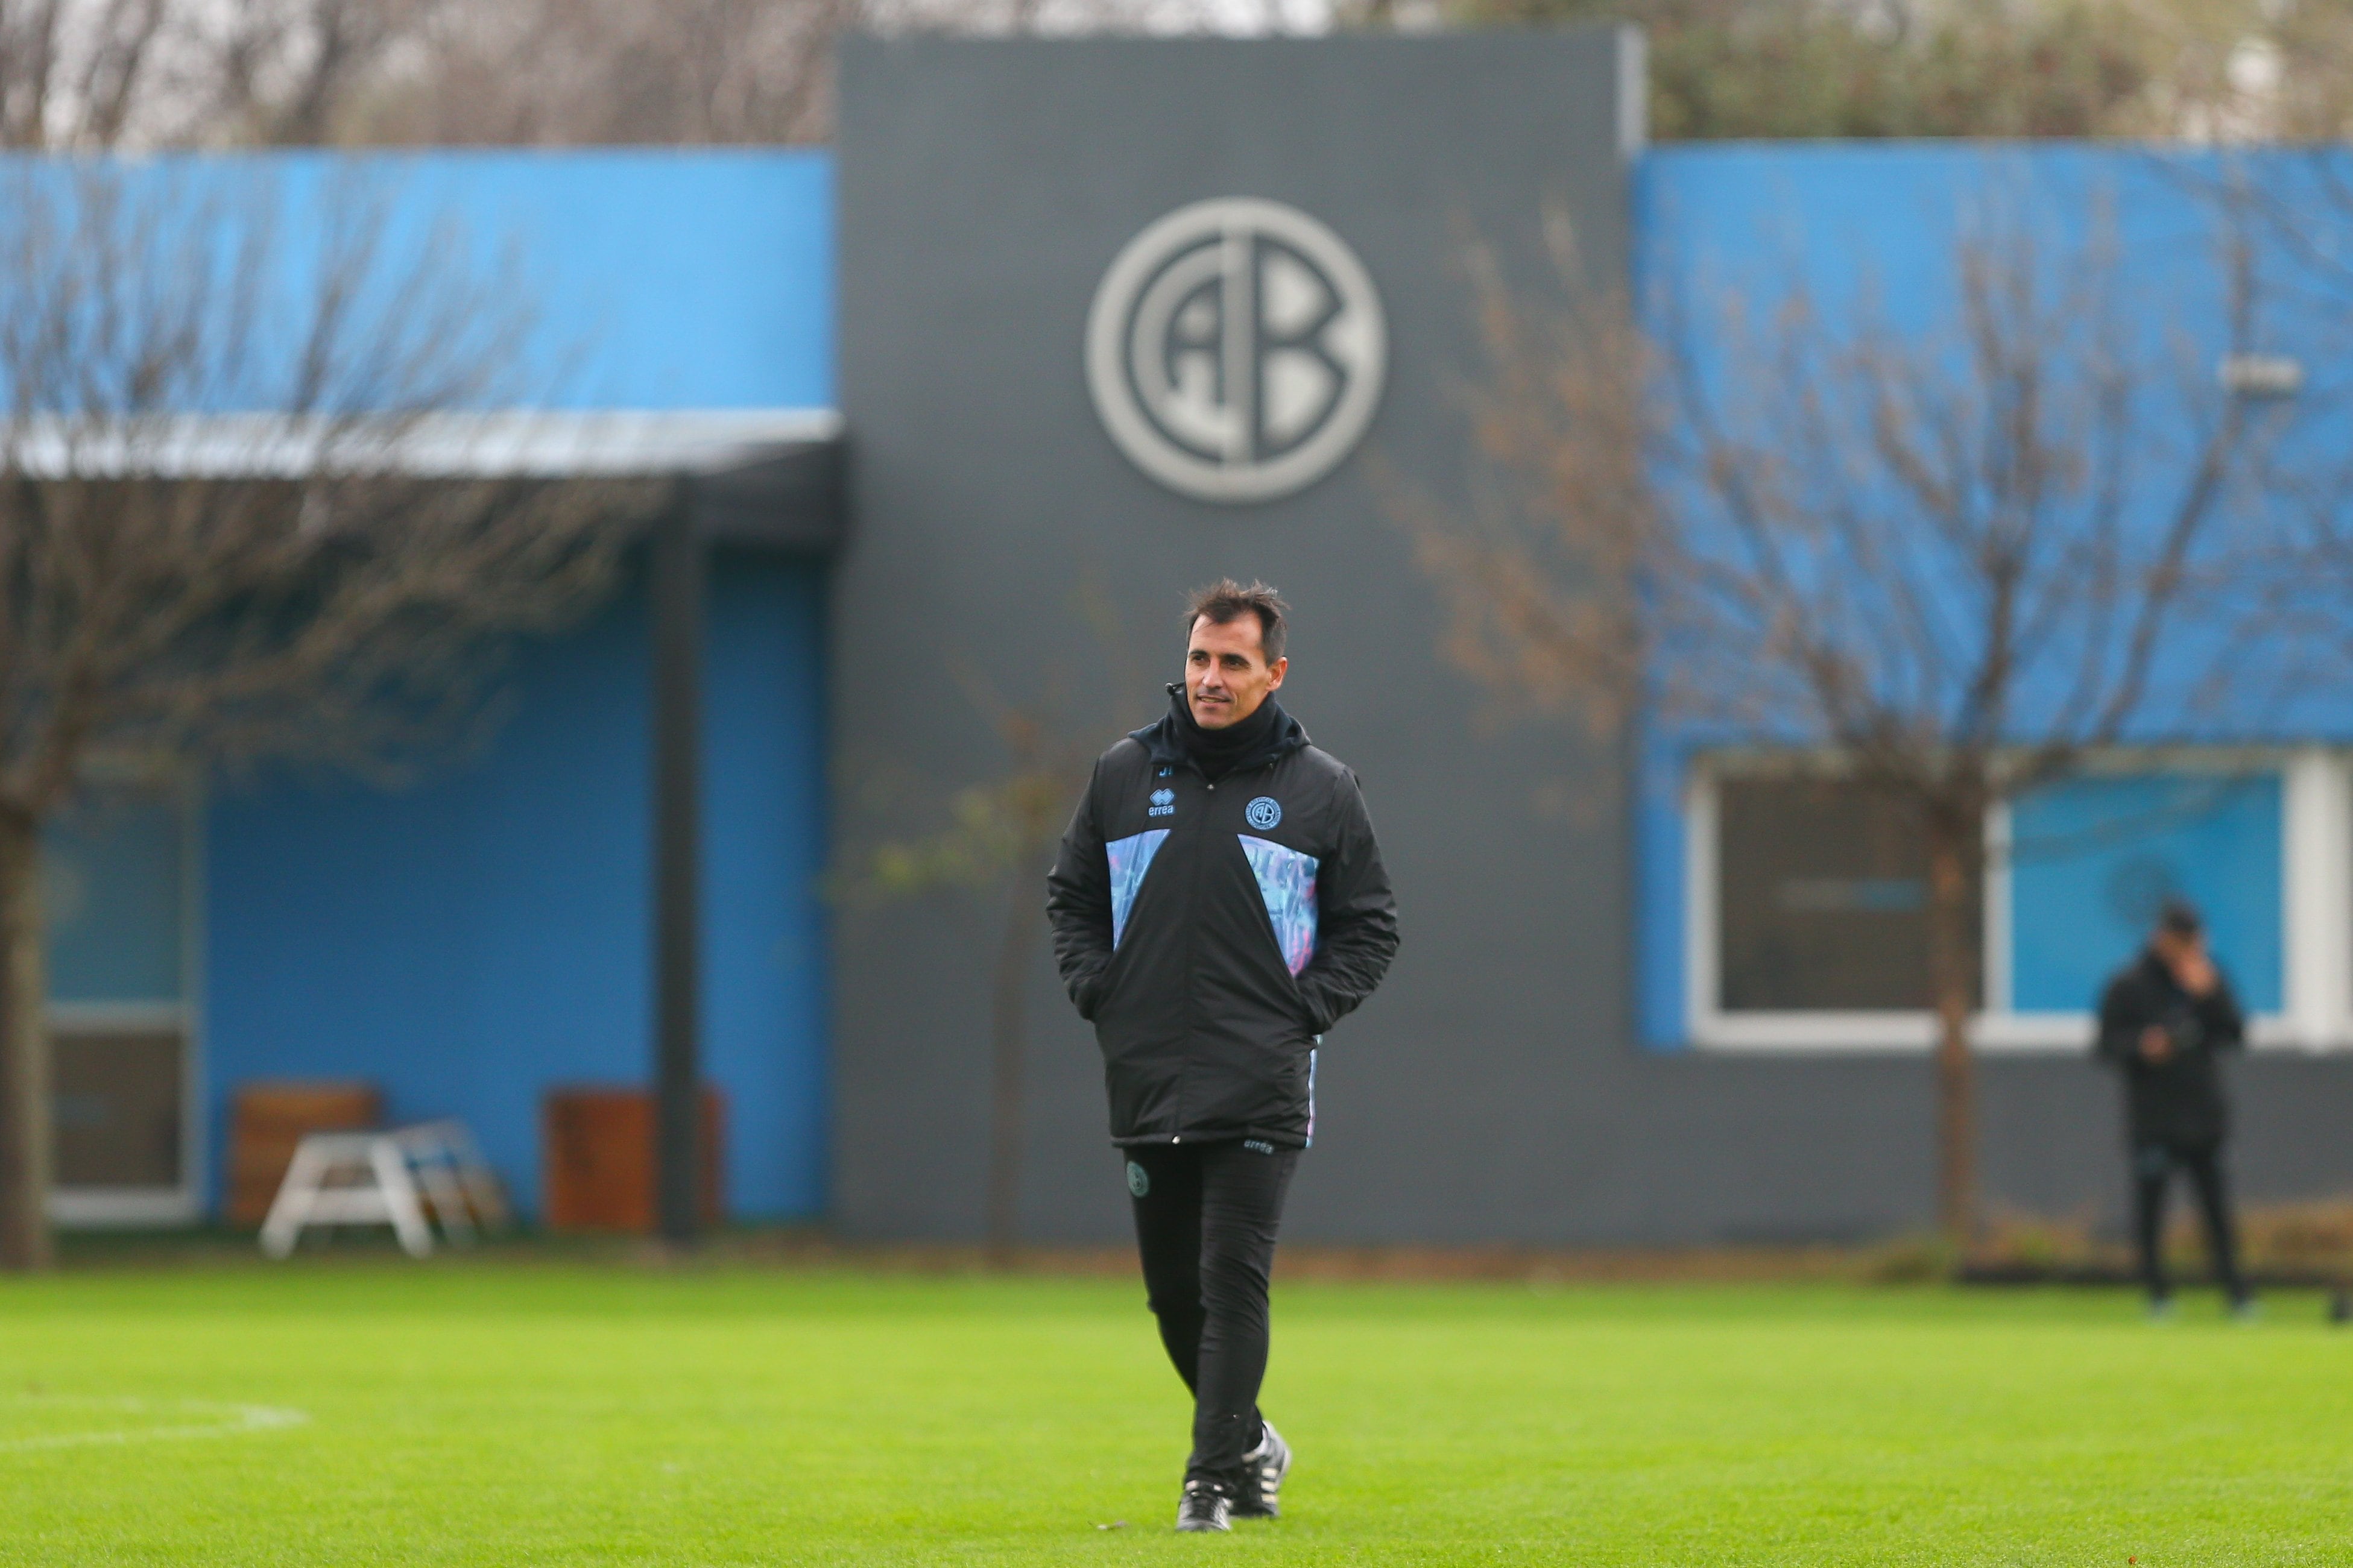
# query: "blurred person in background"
[[2165, 1021], [1219, 902]]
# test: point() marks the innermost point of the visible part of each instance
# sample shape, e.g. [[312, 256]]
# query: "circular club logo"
[[1263, 812], [1235, 349]]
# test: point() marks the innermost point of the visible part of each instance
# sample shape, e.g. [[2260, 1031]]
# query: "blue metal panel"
[[640, 278], [2096, 857]]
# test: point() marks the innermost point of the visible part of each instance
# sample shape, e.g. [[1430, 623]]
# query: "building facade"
[[1083, 323], [486, 931]]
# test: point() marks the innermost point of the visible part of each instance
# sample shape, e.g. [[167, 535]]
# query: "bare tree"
[[294, 72], [2197, 71], [569, 71], [2298, 203], [86, 74], [998, 840], [81, 75], [1952, 562], [566, 72], [331, 580], [73, 74]]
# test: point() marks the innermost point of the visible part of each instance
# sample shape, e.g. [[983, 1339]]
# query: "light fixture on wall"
[[2261, 375]]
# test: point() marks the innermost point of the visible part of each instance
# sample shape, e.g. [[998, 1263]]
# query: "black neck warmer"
[[1217, 753]]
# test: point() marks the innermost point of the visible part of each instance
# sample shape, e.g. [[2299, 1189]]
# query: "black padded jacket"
[[1212, 930], [2179, 1100]]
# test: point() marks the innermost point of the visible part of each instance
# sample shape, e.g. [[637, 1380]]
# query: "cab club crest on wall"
[[1235, 349]]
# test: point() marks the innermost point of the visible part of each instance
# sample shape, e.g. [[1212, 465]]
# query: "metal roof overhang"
[[760, 477]]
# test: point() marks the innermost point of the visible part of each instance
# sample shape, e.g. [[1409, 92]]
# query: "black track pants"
[[1206, 1217], [2153, 1168]]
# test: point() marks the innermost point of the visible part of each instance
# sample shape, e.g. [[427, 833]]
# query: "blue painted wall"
[[473, 939], [631, 278], [476, 939], [2093, 858], [765, 1004], [462, 942], [1871, 232]]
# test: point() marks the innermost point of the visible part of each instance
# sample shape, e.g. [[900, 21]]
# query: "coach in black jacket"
[[1219, 902], [2164, 1020]]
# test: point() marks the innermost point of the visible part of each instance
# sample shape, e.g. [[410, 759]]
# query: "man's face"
[[2180, 947], [1226, 672]]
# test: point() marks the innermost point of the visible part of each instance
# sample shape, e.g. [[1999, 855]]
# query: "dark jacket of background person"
[[1212, 927], [2177, 1101]]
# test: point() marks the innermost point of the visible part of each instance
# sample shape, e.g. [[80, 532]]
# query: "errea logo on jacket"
[[1163, 803]]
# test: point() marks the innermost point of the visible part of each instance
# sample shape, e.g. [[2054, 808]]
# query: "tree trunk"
[[24, 1116], [1953, 960], [1009, 1043]]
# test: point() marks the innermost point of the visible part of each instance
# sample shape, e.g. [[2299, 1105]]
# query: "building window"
[[1807, 899], [2092, 860], [1823, 893]]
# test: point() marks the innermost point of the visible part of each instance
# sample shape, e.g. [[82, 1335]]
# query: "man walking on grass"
[[1219, 902], [2165, 1021]]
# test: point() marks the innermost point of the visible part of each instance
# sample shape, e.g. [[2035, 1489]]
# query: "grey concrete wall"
[[1002, 549]]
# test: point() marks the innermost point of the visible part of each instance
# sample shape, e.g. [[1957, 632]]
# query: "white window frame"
[[118, 1208], [2317, 921]]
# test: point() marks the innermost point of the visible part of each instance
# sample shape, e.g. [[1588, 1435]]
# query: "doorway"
[[120, 887]]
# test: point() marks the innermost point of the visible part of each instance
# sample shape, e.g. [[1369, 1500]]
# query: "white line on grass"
[[223, 1420]]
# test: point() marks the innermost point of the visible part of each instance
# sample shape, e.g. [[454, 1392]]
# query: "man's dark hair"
[[2179, 918], [1226, 600]]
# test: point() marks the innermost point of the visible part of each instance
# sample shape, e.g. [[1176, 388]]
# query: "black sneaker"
[[1205, 1507], [1263, 1469]]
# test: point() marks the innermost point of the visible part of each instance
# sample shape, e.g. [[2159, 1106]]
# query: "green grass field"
[[514, 1413]]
